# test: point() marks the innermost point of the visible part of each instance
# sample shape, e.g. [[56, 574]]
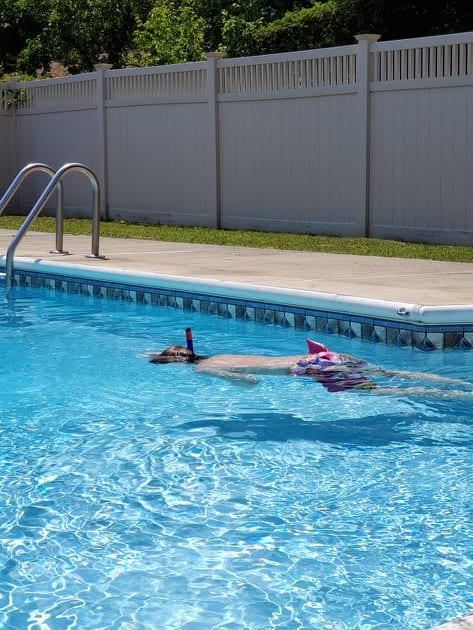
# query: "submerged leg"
[[425, 392], [420, 376]]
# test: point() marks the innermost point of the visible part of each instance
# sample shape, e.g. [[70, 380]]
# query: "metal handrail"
[[36, 167], [43, 200]]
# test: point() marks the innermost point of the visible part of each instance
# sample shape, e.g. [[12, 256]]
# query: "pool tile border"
[[376, 330]]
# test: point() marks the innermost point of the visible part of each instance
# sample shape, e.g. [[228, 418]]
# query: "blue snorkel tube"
[[189, 342]]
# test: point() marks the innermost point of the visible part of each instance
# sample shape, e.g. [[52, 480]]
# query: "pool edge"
[[420, 326]]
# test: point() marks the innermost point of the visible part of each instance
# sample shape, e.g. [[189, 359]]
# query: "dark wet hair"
[[176, 354]]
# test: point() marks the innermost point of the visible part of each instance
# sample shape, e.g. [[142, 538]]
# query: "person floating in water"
[[336, 372]]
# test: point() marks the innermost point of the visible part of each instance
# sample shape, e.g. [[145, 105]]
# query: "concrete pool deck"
[[424, 282], [461, 624], [420, 281]]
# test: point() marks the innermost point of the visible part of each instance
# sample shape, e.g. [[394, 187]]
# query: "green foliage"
[[12, 98], [319, 26], [14, 31], [335, 22], [34, 33], [173, 33], [73, 32], [243, 21], [409, 18], [249, 238], [238, 36]]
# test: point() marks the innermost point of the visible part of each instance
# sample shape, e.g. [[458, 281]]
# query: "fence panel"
[[422, 161], [444, 57], [63, 94], [56, 138], [273, 74], [158, 144], [291, 165], [376, 136], [157, 161], [185, 81], [421, 139], [284, 124]]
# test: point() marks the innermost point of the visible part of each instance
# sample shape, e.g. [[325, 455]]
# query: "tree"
[[33, 33], [335, 22], [409, 18], [172, 33], [18, 22], [74, 32], [320, 25]]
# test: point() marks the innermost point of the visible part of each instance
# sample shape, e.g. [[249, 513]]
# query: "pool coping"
[[464, 623], [418, 326]]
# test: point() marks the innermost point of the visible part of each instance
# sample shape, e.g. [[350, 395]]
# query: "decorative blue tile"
[[356, 328], [426, 344], [285, 323], [381, 333], [232, 310], [331, 327], [259, 315], [299, 320], [468, 337], [250, 311], [241, 312], [309, 324], [399, 338], [320, 323], [290, 318], [374, 337], [224, 311], [368, 328], [462, 344], [306, 324], [349, 332]]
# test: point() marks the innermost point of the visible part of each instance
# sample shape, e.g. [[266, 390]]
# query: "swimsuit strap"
[[321, 360]]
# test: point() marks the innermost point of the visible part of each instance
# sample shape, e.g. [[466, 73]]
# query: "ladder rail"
[[43, 200], [36, 167]]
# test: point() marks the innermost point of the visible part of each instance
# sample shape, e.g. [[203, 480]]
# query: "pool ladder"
[[54, 184]]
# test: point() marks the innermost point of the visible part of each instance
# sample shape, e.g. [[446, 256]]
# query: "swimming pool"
[[143, 496]]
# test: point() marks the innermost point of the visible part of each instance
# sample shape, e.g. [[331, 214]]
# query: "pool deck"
[[425, 282], [461, 624]]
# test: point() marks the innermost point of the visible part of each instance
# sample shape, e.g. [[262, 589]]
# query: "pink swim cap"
[[315, 347]]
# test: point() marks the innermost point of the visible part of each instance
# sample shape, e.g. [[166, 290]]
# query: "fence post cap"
[[12, 81], [214, 55], [367, 37]]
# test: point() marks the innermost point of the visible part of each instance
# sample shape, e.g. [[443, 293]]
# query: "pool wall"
[[378, 321]]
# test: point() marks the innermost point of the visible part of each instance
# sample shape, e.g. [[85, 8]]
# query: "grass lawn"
[[248, 238]]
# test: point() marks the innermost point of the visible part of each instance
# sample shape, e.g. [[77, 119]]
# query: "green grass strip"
[[248, 238]]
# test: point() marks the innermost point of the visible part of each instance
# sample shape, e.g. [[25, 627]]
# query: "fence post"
[[12, 86], [363, 81], [102, 143], [214, 134]]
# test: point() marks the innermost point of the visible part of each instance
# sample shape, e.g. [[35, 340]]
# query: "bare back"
[[232, 366]]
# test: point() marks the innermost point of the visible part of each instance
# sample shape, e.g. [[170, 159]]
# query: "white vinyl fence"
[[374, 138]]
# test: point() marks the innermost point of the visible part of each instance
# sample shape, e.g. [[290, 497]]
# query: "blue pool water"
[[140, 496]]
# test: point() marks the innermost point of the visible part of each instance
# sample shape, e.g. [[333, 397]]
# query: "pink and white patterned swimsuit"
[[323, 368]]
